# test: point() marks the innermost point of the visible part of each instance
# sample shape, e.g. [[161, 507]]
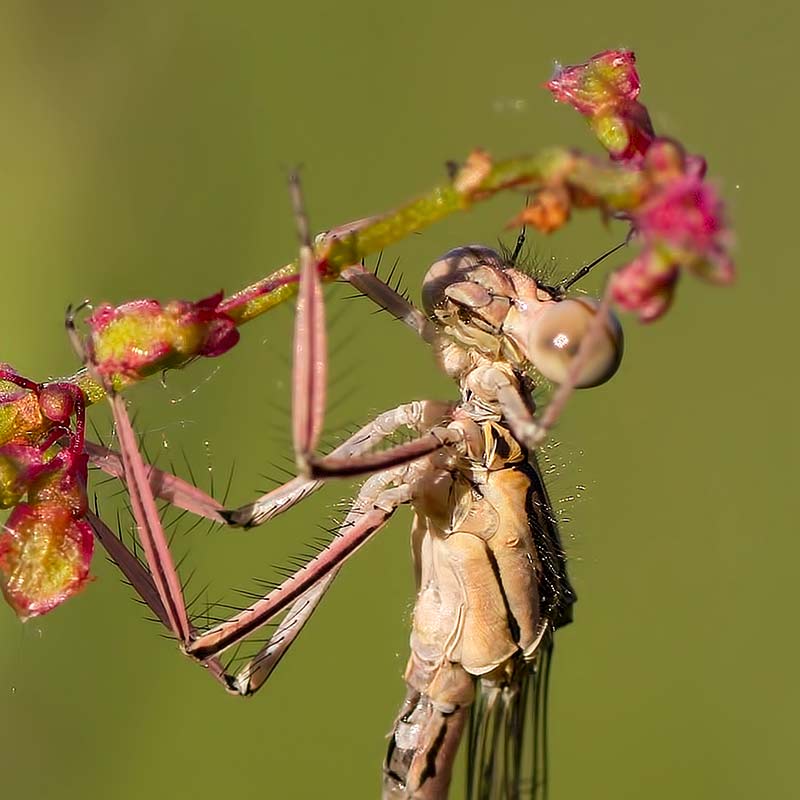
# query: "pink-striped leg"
[[309, 368], [161, 588], [141, 580], [148, 521], [163, 485], [377, 498], [419, 416], [298, 595], [376, 502], [309, 372]]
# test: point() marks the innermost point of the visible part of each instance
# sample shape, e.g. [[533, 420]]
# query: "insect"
[[492, 585]]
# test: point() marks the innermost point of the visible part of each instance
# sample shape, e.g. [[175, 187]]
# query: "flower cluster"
[[679, 216], [46, 544]]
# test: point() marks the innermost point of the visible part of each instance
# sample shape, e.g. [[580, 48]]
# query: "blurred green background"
[[143, 152]]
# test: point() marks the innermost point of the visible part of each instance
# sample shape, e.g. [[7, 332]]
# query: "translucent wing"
[[507, 756]]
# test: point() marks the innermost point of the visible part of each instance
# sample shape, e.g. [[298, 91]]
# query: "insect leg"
[[161, 587], [371, 286], [309, 372], [376, 492], [310, 363], [148, 522], [367, 517], [418, 416], [164, 485], [339, 467], [140, 579]]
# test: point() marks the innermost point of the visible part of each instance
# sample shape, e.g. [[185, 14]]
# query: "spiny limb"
[[255, 673], [374, 494], [148, 523], [383, 295], [309, 366], [164, 485], [142, 582], [338, 467], [419, 416], [366, 520], [308, 378], [377, 500], [143, 505], [130, 566]]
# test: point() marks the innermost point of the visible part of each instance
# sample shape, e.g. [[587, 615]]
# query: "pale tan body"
[[479, 612]]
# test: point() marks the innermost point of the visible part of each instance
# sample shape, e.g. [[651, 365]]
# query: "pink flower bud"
[[604, 90], [141, 337], [57, 401], [678, 216], [605, 81], [686, 213], [645, 286], [665, 161], [221, 334]]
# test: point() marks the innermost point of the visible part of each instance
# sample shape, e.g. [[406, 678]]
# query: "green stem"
[[609, 186]]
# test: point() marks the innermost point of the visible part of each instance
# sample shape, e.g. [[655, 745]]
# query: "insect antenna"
[[585, 270], [512, 261]]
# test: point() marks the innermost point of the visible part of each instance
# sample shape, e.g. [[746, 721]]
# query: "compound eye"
[[557, 335]]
